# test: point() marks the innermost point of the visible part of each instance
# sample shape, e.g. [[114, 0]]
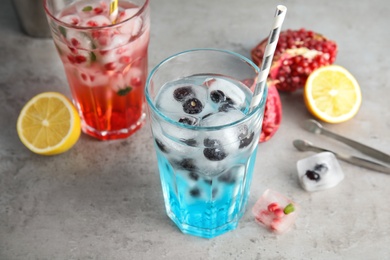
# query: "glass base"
[[116, 134], [203, 232]]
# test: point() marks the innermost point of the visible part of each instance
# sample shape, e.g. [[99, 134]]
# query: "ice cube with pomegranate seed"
[[71, 19], [132, 27], [134, 77], [92, 78], [78, 40], [319, 172], [275, 211], [88, 8], [96, 21]]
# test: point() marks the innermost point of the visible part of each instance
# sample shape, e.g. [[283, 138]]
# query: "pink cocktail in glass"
[[105, 61]]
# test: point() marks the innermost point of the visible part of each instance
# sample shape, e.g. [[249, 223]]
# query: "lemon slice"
[[49, 124], [332, 94]]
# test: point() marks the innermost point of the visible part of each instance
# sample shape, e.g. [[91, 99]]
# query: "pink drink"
[[105, 63]]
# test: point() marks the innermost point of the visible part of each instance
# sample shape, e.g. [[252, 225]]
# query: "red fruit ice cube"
[[275, 211]]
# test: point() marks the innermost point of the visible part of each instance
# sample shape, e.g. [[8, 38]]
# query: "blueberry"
[[195, 192], [217, 96], [187, 121], [225, 107], [190, 142], [211, 143], [214, 154], [161, 146], [243, 130], [246, 141], [194, 176], [208, 181], [214, 192], [192, 106], [180, 94], [188, 164], [321, 168], [227, 177], [312, 175]]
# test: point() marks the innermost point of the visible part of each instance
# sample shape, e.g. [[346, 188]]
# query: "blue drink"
[[206, 141]]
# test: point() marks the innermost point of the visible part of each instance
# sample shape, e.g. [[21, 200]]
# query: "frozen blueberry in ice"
[[195, 192], [180, 94], [319, 172], [214, 154], [246, 141], [190, 142], [227, 177], [243, 130], [193, 176], [161, 146], [217, 96], [208, 181], [187, 121], [213, 150], [192, 106], [313, 175], [214, 192], [225, 107], [321, 168], [188, 164], [211, 143]]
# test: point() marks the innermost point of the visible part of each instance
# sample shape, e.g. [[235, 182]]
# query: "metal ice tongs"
[[315, 127]]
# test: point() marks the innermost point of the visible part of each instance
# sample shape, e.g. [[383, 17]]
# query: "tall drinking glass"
[[105, 58], [205, 136]]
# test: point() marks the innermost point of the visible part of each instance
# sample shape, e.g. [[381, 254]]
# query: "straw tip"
[[281, 8]]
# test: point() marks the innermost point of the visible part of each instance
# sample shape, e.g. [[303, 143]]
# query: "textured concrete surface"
[[102, 200]]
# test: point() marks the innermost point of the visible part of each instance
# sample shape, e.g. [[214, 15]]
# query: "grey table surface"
[[103, 200]]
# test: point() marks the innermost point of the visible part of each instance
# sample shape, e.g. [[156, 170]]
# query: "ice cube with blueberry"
[[275, 211], [225, 94], [319, 172]]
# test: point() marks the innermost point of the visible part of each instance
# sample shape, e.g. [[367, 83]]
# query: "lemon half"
[[49, 124], [332, 94]]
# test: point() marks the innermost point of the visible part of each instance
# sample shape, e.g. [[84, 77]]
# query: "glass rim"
[[47, 11], [207, 128]]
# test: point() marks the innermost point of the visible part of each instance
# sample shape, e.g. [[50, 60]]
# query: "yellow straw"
[[113, 10]]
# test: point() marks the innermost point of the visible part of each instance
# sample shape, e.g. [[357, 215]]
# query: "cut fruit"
[[297, 54], [332, 94], [49, 124], [272, 114]]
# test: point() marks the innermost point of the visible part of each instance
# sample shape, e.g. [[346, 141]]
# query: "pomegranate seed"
[[110, 66], [103, 52], [75, 42], [125, 59], [92, 24], [73, 50], [273, 206], [279, 213], [136, 81], [98, 10], [95, 34], [84, 76], [75, 21], [71, 59], [80, 58], [92, 78]]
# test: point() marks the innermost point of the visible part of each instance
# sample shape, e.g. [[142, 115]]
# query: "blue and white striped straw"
[[268, 55]]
